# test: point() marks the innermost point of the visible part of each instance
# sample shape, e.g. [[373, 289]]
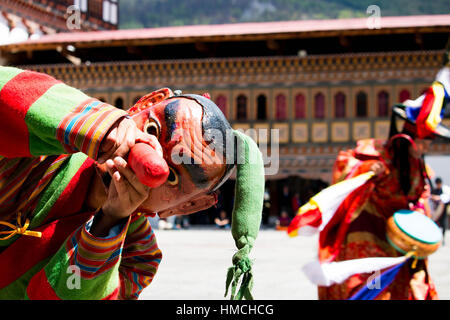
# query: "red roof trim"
[[241, 29]]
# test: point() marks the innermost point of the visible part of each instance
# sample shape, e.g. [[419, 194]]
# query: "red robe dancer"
[[358, 228], [362, 233], [351, 217]]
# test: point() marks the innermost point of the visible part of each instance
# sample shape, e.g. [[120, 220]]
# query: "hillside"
[[159, 13]]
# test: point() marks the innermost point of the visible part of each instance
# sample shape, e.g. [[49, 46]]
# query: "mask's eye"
[[151, 127], [173, 177]]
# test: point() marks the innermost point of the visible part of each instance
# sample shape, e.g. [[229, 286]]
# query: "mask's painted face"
[[195, 167]]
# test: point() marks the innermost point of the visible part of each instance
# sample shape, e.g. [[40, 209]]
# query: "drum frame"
[[406, 244]]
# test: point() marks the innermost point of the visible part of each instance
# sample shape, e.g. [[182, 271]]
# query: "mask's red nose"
[[150, 168]]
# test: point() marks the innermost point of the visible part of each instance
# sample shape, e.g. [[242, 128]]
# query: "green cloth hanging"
[[247, 213]]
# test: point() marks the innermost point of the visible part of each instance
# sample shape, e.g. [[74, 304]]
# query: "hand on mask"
[[126, 193], [122, 136]]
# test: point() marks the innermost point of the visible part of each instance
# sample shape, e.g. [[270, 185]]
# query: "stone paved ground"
[[195, 263]]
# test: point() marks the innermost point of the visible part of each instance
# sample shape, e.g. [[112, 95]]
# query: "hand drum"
[[412, 231]]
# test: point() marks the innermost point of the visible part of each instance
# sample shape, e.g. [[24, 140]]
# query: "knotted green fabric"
[[246, 216]]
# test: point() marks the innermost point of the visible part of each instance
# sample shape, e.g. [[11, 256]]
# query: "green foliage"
[[159, 13]]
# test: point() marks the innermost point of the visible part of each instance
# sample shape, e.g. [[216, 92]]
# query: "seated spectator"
[[284, 221], [181, 222], [222, 220]]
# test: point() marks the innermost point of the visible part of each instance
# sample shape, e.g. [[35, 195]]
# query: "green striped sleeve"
[[7, 73]]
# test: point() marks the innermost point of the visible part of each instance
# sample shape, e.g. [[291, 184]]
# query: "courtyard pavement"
[[195, 262]]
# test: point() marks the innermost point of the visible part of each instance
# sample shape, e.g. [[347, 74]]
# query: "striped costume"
[[49, 135]]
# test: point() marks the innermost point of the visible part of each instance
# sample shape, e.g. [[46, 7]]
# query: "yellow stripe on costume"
[[87, 125], [102, 243], [54, 166], [310, 205], [328, 200], [434, 117], [13, 189], [106, 123]]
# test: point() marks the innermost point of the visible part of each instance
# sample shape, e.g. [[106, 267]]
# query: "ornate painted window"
[[241, 102], [404, 95], [261, 110], [280, 108], [300, 106], [319, 106], [118, 103], [221, 102], [339, 105], [361, 104], [383, 103]]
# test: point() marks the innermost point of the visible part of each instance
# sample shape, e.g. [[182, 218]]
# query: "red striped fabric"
[[12, 180], [333, 235], [84, 127], [82, 121], [93, 129], [22, 184], [71, 200], [311, 218], [140, 259], [40, 289], [23, 181], [95, 255], [16, 97], [113, 295], [427, 105], [26, 252], [61, 131]]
